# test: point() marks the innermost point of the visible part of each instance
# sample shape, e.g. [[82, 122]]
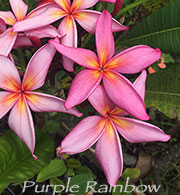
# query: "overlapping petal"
[[19, 8], [8, 17], [82, 86], [37, 68], [64, 4], [83, 57], [2, 26], [109, 154], [22, 41], [9, 79], [117, 7], [104, 38], [82, 4], [121, 91], [134, 59], [135, 131], [40, 102], [68, 30], [83, 135]]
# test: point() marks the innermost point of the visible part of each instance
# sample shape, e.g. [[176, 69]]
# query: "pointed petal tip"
[[35, 157], [166, 138]]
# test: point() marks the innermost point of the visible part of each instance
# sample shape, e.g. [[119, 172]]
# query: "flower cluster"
[[101, 81]]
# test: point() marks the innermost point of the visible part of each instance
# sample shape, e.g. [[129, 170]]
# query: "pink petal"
[[2, 26], [124, 95], [100, 101], [68, 30], [44, 32], [7, 40], [117, 7], [19, 8], [134, 59], [8, 17], [83, 57], [83, 135], [21, 122], [40, 102], [37, 68], [104, 44], [22, 41], [48, 16], [82, 86], [88, 18], [109, 154], [7, 100], [82, 4], [135, 131], [64, 4], [9, 79], [109, 1]]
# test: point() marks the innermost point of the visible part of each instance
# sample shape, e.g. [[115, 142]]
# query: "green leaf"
[[85, 169], [51, 127], [132, 173], [161, 29], [121, 187], [81, 181], [70, 172], [163, 90], [55, 168], [17, 163], [58, 183], [73, 163]]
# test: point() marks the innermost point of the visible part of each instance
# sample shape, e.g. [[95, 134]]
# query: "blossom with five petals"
[[20, 96], [104, 130], [53, 11], [105, 67]]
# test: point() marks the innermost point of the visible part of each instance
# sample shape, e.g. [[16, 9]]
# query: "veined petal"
[[21, 122], [2, 26], [117, 7], [109, 1], [64, 4], [68, 30], [136, 131], [82, 4], [134, 59], [7, 100], [82, 86], [48, 16], [8, 17], [83, 57], [109, 154], [19, 8], [37, 68], [100, 101], [83, 135], [7, 40], [121, 91], [88, 18], [40, 102], [22, 41], [104, 44], [9, 79]]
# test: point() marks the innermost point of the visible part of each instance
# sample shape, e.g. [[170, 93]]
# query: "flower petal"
[[7, 40], [37, 68], [8, 17], [22, 41], [19, 8], [2, 26], [7, 100], [21, 122], [109, 154], [88, 18], [68, 30], [82, 86], [64, 4], [9, 79], [40, 102], [82, 4], [100, 101], [83, 57], [83, 135], [134, 59], [136, 131], [48, 16], [124, 95], [104, 44], [117, 7], [109, 1]]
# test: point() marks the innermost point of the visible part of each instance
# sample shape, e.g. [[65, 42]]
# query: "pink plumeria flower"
[[10, 39], [53, 11], [105, 67], [104, 130], [20, 97]]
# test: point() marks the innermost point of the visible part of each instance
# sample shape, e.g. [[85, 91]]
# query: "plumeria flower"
[[10, 39], [52, 11], [105, 67], [104, 130], [20, 96]]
